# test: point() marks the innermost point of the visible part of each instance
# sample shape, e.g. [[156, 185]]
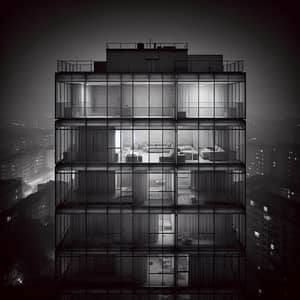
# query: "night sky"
[[265, 34]]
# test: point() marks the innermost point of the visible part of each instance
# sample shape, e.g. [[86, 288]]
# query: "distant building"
[[10, 193], [286, 163], [272, 239], [39, 205], [27, 165], [259, 159], [281, 161]]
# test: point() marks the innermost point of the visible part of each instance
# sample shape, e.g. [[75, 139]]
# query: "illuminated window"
[[265, 209], [256, 234], [252, 203]]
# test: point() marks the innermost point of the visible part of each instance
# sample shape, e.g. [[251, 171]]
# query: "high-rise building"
[[272, 239], [10, 193], [280, 161], [150, 175], [27, 165]]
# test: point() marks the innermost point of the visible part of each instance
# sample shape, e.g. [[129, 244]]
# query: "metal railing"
[[220, 65], [233, 66], [66, 110], [75, 66], [186, 66]]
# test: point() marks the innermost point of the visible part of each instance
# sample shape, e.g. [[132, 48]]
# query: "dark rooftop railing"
[[233, 66], [75, 66], [198, 65], [190, 66]]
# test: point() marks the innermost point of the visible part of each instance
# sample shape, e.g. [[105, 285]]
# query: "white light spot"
[[256, 234]]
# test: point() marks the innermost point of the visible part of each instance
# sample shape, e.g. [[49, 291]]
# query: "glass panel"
[[156, 109], [187, 100], [96, 99], [127, 99], [168, 99], [114, 99], [141, 99]]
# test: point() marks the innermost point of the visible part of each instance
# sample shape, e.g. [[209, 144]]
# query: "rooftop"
[[152, 57]]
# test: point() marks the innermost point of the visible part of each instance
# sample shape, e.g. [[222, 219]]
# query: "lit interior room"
[[222, 188], [147, 145], [124, 230], [131, 188], [152, 96], [140, 188]]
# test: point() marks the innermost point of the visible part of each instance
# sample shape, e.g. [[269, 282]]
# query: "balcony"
[[143, 145], [180, 66], [129, 190], [147, 96], [186, 272], [150, 232]]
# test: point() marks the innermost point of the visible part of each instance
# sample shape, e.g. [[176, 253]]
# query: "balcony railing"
[[75, 66], [191, 66], [194, 66], [67, 110]]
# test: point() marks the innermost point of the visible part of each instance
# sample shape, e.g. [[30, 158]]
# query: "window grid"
[[147, 195]]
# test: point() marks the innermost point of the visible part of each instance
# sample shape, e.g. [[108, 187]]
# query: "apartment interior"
[[162, 270], [144, 188], [142, 230], [135, 145], [155, 98], [219, 189]]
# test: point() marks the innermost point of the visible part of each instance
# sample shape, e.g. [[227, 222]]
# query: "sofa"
[[215, 153], [170, 157], [133, 157], [189, 152]]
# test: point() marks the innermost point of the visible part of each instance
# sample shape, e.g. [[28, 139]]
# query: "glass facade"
[[150, 96], [150, 185]]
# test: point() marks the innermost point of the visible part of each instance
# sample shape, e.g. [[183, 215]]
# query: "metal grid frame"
[[67, 171]]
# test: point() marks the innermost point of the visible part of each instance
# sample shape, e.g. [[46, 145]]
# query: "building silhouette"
[[272, 239], [10, 193], [150, 175]]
